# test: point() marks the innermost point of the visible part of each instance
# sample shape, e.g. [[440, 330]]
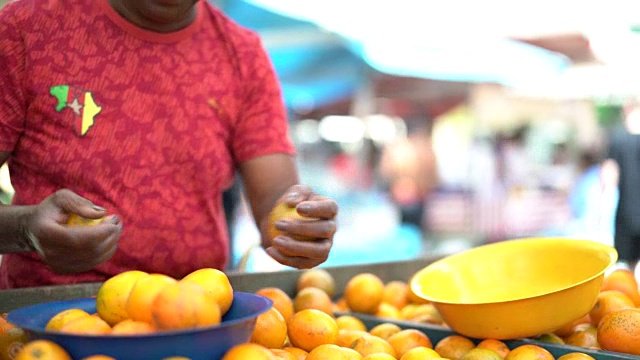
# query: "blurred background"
[[439, 126]]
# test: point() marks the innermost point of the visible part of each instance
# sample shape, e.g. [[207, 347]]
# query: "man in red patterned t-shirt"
[[140, 111]]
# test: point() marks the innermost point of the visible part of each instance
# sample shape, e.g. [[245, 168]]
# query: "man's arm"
[[273, 179], [41, 228], [265, 179], [12, 223]]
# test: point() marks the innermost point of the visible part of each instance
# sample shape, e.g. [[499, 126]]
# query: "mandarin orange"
[[310, 328], [216, 285], [270, 330], [620, 331], [281, 301], [112, 296], [318, 278], [183, 305], [143, 294], [364, 293]]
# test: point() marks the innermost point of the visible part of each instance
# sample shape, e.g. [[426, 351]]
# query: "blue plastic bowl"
[[208, 343]]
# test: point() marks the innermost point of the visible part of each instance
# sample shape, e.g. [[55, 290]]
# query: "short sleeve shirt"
[[150, 126]]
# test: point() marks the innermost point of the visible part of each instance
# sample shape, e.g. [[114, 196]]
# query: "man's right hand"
[[70, 249]]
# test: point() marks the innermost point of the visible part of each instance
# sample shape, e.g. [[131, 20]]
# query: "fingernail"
[[98, 208], [281, 224], [114, 219]]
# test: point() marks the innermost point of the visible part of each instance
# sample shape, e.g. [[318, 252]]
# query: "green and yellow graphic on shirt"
[[80, 102]]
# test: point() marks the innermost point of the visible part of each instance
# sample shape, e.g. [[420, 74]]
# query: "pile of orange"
[[135, 302], [367, 294], [308, 327], [312, 332], [315, 324], [613, 323]]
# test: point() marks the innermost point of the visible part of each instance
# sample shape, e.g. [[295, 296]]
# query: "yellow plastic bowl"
[[516, 288]]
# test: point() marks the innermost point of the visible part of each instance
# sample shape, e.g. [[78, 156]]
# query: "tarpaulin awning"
[[323, 50]]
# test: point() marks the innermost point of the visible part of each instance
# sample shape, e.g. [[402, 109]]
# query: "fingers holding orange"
[[285, 220]]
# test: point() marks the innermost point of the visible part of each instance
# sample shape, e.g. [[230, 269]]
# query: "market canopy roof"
[[324, 50]]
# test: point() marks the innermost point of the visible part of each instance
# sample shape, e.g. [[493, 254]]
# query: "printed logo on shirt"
[[80, 101]]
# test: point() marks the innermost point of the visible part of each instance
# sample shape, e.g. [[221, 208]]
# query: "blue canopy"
[[323, 51], [314, 67]]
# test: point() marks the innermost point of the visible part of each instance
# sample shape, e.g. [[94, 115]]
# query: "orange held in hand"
[[184, 305], [282, 211], [77, 220]]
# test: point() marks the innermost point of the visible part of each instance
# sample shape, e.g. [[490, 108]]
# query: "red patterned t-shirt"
[[151, 126]]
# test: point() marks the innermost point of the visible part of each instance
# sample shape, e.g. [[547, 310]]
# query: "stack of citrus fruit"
[[305, 326], [613, 323], [135, 302], [314, 323]]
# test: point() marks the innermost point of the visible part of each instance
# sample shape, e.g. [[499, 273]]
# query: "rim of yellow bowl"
[[608, 250]]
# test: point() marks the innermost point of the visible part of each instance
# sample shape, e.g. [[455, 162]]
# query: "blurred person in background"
[[409, 166], [514, 161], [561, 173], [592, 199], [140, 112], [622, 167]]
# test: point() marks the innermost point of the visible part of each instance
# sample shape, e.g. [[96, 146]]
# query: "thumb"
[[71, 202]]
